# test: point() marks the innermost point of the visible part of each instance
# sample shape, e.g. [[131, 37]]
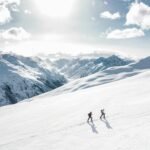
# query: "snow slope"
[[59, 122], [107, 75]]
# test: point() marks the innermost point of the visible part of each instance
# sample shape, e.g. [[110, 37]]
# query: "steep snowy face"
[[82, 66], [24, 77]]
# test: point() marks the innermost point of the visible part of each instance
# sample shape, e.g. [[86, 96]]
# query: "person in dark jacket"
[[90, 117], [102, 114]]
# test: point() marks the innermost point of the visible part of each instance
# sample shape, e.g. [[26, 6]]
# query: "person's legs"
[[91, 119], [104, 116], [101, 116]]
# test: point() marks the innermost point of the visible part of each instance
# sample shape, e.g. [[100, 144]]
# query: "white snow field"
[[59, 122]]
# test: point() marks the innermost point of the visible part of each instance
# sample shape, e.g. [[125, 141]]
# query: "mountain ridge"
[[25, 77]]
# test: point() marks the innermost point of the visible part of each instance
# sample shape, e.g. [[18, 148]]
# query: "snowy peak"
[[82, 66], [24, 77]]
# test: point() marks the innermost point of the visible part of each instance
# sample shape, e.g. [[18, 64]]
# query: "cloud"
[[5, 15], [125, 34], [6, 2], [14, 33], [28, 12], [6, 6], [108, 15], [139, 14]]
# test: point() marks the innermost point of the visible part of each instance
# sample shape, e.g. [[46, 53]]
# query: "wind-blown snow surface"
[[59, 122]]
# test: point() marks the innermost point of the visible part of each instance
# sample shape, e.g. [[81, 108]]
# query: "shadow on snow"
[[107, 123], [93, 127]]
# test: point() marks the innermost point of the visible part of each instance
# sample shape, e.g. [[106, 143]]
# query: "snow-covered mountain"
[[59, 122], [107, 75], [74, 67], [24, 77]]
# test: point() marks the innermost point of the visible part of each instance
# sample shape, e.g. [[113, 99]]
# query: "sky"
[[75, 26]]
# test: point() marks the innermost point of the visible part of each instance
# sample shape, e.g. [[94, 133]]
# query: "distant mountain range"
[[84, 65], [25, 77], [107, 75]]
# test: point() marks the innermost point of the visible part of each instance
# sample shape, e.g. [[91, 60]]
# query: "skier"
[[102, 114], [90, 117]]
